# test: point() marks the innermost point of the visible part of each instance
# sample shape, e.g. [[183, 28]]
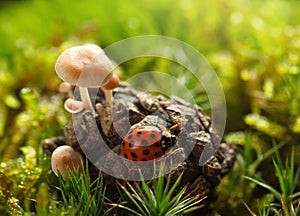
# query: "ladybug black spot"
[[144, 142], [131, 144], [125, 155], [157, 144], [146, 152], [156, 154], [133, 154], [139, 133], [129, 137], [153, 136], [143, 159]]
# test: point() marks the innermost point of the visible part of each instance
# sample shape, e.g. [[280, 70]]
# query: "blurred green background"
[[254, 47]]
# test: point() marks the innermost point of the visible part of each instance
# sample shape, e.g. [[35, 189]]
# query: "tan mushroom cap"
[[65, 87], [113, 83], [63, 157], [85, 66]]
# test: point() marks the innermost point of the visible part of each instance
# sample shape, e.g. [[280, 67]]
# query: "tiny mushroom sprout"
[[63, 157], [86, 66], [73, 106], [113, 83], [65, 87]]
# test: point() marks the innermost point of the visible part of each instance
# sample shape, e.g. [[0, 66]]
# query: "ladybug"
[[146, 143]]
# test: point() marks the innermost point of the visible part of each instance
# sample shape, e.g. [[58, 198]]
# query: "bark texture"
[[130, 109]]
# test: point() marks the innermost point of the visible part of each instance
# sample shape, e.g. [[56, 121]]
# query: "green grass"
[[287, 198], [159, 198], [254, 47], [77, 195], [82, 195]]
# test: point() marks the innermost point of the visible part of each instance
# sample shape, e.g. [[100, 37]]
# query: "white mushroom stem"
[[108, 95], [107, 88], [86, 100], [73, 106]]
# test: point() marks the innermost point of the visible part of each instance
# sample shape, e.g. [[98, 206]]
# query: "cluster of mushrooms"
[[84, 66]]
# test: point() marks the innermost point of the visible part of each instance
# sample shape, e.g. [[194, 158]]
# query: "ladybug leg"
[[175, 128], [117, 149]]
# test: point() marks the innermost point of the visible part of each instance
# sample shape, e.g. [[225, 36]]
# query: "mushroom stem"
[[108, 87], [86, 100], [108, 95]]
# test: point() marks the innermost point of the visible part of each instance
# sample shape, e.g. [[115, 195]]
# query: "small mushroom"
[[86, 66], [63, 157], [113, 83], [73, 106], [65, 87]]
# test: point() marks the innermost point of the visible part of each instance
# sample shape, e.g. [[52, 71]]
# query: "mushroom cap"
[[63, 157], [84, 66], [65, 87], [73, 106], [113, 83]]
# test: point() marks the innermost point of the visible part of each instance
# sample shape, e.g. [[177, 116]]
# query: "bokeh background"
[[254, 47]]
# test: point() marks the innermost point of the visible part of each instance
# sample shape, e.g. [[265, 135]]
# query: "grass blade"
[[280, 178], [127, 209], [134, 198], [266, 186], [248, 209]]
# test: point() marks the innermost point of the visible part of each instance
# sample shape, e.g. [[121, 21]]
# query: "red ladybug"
[[142, 144]]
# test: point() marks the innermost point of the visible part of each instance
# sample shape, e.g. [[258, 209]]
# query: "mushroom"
[[63, 157], [73, 106], [65, 87], [86, 66], [113, 83]]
